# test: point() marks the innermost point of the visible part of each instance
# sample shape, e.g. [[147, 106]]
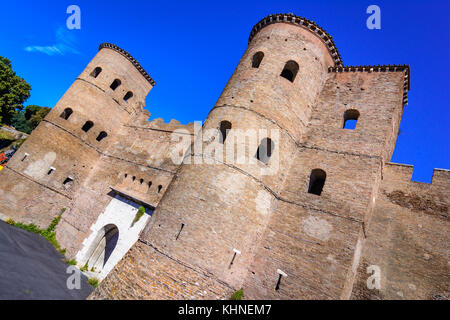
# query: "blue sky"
[[192, 47]]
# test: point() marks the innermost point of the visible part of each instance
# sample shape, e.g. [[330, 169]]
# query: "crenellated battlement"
[[381, 68], [403, 173], [302, 22], [297, 231], [130, 58], [160, 125]]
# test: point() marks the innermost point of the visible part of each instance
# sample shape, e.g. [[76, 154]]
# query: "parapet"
[[403, 173], [130, 58], [441, 177], [303, 22], [383, 68], [159, 125]]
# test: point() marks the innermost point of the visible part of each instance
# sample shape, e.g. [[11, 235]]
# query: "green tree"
[[14, 91], [27, 120], [19, 122], [37, 116]]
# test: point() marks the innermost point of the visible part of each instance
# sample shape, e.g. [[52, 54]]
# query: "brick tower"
[[58, 159], [298, 231], [295, 199]]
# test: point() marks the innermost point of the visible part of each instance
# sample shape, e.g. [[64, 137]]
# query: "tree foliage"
[[14, 91], [27, 120]]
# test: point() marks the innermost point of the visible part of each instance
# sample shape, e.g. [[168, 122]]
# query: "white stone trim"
[[121, 213], [282, 273]]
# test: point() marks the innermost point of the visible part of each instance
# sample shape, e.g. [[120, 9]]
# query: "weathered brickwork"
[[149, 274], [408, 238], [221, 224]]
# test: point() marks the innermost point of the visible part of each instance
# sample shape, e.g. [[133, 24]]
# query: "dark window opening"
[[24, 157], [102, 136], [141, 181], [128, 96], [232, 260], [317, 181], [159, 188], [257, 58], [134, 178], [50, 171], [277, 287], [116, 83], [87, 126], [179, 232], [265, 150], [350, 119], [96, 72], [66, 113], [290, 70], [149, 184], [111, 238], [68, 181], [225, 127]]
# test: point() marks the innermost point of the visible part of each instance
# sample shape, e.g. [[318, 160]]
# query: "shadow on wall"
[[103, 246], [113, 234]]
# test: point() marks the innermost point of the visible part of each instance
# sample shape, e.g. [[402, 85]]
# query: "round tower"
[[215, 210], [110, 92], [60, 153]]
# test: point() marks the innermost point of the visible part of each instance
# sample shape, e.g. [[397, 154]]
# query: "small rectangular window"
[[179, 232], [68, 181], [236, 252], [281, 274]]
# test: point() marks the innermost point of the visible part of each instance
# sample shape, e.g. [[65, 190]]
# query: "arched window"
[[87, 126], [96, 72], [102, 135], [317, 181], [265, 150], [159, 188], [257, 58], [116, 83], [290, 70], [128, 96], [66, 113], [225, 127], [141, 181], [350, 119]]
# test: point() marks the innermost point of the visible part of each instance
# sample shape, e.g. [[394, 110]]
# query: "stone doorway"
[[102, 247], [112, 235]]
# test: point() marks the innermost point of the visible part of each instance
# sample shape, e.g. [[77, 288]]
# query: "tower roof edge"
[[130, 58], [303, 22]]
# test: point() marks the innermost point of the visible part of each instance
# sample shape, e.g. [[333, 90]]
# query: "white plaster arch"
[[116, 219]]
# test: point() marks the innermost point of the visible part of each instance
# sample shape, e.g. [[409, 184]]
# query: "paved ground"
[[31, 268]]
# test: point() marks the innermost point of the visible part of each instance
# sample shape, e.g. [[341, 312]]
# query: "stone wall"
[[221, 223], [33, 185], [245, 224], [146, 273], [408, 238], [140, 167]]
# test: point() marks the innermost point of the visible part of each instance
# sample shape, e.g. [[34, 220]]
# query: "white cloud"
[[66, 44]]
